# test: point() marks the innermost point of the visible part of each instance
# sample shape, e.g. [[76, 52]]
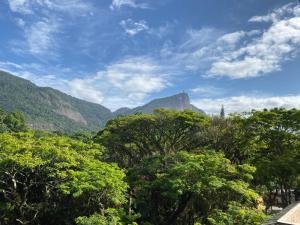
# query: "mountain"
[[179, 102], [49, 109]]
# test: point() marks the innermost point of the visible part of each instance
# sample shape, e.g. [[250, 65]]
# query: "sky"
[[123, 53]]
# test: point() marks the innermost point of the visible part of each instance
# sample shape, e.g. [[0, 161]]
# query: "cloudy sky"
[[243, 54]]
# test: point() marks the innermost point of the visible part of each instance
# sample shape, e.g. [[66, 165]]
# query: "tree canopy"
[[53, 180], [170, 167]]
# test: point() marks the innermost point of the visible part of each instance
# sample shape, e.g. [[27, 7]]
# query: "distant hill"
[[49, 109], [179, 102]]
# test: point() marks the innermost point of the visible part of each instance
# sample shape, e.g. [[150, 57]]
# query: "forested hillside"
[[171, 167], [46, 108]]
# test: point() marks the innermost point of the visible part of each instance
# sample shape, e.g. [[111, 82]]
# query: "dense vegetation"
[[171, 167]]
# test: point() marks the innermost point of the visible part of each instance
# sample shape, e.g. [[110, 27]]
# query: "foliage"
[[178, 167], [269, 140], [237, 214], [13, 122], [232, 136], [53, 180], [132, 138], [85, 136], [108, 217], [277, 159], [185, 188]]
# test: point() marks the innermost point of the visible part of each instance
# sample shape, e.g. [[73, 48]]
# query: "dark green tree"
[[277, 159], [222, 112], [130, 139], [185, 188], [12, 121]]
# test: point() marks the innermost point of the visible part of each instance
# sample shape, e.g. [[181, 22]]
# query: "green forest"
[[170, 167]]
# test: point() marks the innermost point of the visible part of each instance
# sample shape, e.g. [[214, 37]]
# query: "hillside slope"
[[47, 108]]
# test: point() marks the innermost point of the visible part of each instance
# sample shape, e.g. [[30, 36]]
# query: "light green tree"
[[53, 180]]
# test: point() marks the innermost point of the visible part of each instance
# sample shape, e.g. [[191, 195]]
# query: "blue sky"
[[243, 54]]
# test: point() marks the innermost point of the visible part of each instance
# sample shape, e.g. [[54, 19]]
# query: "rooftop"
[[288, 216]]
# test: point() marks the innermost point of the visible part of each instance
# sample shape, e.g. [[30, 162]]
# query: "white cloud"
[[208, 91], [275, 16], [233, 38], [239, 54], [40, 32], [85, 89], [32, 6], [139, 75], [40, 37], [245, 103], [20, 6], [117, 4], [200, 48], [124, 83], [266, 53], [134, 27], [74, 7]]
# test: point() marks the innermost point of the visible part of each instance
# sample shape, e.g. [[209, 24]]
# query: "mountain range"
[[49, 109]]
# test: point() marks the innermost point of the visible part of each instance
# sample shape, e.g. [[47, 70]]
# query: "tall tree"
[[185, 188], [130, 139], [233, 136], [222, 112], [277, 159]]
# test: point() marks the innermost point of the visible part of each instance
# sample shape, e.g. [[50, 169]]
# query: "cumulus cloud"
[[139, 75], [200, 48], [117, 4], [246, 103], [124, 83], [239, 54], [134, 27], [266, 53], [85, 89]]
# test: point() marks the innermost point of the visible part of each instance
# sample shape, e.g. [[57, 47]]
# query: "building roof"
[[288, 216]]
